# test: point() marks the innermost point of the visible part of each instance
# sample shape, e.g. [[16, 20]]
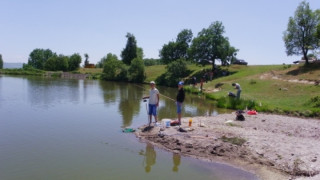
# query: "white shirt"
[[153, 98], [238, 86]]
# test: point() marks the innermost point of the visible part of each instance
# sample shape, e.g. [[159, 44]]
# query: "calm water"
[[71, 129]]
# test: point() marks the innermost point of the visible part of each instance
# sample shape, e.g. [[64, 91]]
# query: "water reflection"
[[128, 96], [176, 158], [110, 92], [193, 105], [50, 91], [128, 105], [150, 156]]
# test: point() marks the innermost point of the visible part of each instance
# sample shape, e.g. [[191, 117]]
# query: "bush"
[[234, 103], [136, 71], [114, 70], [315, 101], [176, 71]]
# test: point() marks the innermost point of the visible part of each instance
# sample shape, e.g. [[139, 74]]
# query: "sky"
[[99, 27]]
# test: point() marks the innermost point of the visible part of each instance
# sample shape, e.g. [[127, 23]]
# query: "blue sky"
[[98, 27]]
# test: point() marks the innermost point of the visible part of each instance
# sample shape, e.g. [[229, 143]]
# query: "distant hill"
[[12, 65]]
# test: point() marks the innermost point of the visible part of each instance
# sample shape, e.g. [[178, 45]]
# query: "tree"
[[300, 36], [57, 63], [178, 49], [136, 71], [228, 53], [175, 71], [210, 44], [130, 51], [114, 70], [86, 61], [74, 62], [106, 58], [38, 57], [62, 63], [50, 64], [140, 53], [1, 62]]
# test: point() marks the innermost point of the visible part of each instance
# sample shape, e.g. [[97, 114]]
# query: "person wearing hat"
[[153, 102], [180, 99]]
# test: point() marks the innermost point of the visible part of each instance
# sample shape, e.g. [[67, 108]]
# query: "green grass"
[[152, 72], [264, 93], [275, 95], [22, 72]]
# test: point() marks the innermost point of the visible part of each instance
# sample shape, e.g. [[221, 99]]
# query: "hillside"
[[283, 89]]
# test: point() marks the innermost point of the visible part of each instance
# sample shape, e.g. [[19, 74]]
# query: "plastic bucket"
[[167, 122]]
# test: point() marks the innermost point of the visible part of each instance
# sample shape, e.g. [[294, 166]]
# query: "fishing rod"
[[159, 93]]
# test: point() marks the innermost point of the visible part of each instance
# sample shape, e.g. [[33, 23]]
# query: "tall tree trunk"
[[305, 55], [213, 64]]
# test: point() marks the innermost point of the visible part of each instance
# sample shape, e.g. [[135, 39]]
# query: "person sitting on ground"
[[180, 99], [237, 86], [153, 102]]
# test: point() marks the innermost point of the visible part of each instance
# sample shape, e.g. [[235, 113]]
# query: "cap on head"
[[152, 82], [180, 83]]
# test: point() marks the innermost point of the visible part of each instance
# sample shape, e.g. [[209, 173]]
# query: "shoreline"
[[270, 146]]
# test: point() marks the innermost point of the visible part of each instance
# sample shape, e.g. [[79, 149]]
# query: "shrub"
[[136, 71], [176, 71], [114, 70]]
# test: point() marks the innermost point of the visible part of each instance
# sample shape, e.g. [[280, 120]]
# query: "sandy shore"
[[271, 146]]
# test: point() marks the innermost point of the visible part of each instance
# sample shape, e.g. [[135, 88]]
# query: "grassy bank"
[[34, 72], [282, 89]]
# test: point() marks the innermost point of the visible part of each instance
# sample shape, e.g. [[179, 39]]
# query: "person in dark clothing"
[[180, 99]]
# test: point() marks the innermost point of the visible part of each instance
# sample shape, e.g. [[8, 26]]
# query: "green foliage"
[[210, 44], [25, 70], [136, 71], [38, 57], [74, 62], [140, 53], [315, 101], [1, 62], [114, 70], [62, 63], [50, 64], [234, 103], [178, 49], [151, 62], [301, 33], [57, 63], [176, 71], [105, 59], [130, 51]]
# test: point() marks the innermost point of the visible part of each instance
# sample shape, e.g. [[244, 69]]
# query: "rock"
[[314, 159], [188, 145]]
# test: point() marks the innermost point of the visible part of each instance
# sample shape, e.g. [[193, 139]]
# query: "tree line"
[[45, 59], [210, 45]]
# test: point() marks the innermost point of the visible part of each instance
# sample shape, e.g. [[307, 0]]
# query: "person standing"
[[179, 100], [238, 87], [153, 102]]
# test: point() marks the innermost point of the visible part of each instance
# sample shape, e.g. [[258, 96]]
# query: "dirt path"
[[272, 146]]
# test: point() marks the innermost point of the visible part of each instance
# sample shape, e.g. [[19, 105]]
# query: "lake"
[[72, 129]]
